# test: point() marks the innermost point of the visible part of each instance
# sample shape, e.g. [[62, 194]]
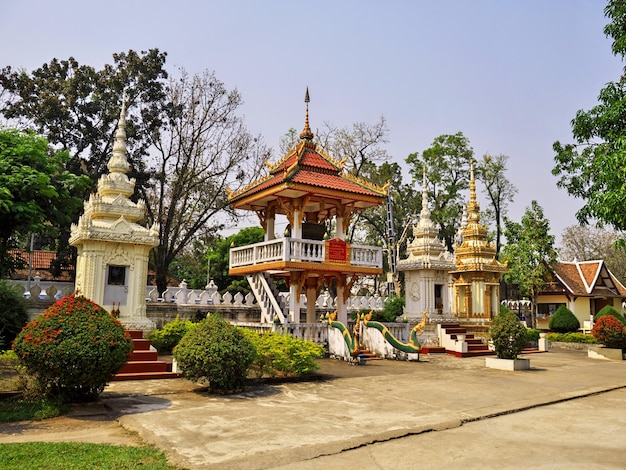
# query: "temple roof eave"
[[288, 190]]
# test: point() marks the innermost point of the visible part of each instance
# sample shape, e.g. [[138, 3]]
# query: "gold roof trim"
[[332, 160], [366, 184], [233, 194]]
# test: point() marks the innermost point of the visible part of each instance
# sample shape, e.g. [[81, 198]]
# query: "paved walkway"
[[568, 411]]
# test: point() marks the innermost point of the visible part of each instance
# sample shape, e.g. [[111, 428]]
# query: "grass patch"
[[75, 455], [18, 409]]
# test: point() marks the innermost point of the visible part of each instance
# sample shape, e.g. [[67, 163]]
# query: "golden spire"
[[472, 207], [306, 133]]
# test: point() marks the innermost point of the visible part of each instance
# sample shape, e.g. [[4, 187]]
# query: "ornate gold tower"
[[477, 272]]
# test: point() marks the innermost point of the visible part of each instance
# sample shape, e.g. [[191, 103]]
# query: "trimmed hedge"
[[570, 338], [216, 352], [608, 310], [563, 320], [13, 314], [166, 338], [283, 355]]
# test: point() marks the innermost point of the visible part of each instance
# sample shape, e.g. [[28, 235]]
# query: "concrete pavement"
[[408, 406], [568, 411]]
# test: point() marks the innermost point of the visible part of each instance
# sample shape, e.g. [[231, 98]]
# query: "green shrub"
[[570, 338], [216, 352], [166, 338], [508, 334], [73, 349], [563, 320], [608, 310], [393, 309], [533, 334], [13, 315], [609, 331], [283, 355]]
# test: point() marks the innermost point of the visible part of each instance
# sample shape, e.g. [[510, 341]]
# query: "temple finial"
[[473, 207], [425, 213], [306, 133], [118, 163]]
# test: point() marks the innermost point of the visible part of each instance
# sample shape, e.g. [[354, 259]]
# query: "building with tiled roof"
[[582, 286], [313, 192], [42, 262]]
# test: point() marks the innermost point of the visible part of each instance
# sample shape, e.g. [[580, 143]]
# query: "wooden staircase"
[[144, 362], [475, 346]]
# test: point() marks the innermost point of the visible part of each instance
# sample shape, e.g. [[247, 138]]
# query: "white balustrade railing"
[[212, 297], [363, 255], [296, 249]]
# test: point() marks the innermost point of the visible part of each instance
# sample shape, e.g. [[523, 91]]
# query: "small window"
[[117, 275]]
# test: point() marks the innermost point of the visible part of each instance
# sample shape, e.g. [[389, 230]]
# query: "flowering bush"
[[73, 349], [609, 331], [608, 310], [216, 352]]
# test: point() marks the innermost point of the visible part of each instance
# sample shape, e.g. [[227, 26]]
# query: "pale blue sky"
[[508, 74]]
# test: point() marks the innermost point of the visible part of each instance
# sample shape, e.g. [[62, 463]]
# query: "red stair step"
[[144, 366], [144, 356]]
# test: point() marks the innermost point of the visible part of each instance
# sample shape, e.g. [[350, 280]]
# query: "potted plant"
[[509, 337], [611, 334]]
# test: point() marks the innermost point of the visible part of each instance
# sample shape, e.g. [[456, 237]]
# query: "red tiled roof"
[[587, 278], [42, 260], [305, 165]]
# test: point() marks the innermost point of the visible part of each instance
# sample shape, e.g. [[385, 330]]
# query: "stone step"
[[145, 376]]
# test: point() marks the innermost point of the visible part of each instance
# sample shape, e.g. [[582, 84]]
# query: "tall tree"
[[37, 194], [447, 169], [204, 149], [77, 108], [529, 252], [585, 243], [219, 258], [360, 145], [592, 168], [491, 170]]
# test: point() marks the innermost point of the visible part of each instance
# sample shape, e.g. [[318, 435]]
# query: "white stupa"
[[113, 247], [428, 284]]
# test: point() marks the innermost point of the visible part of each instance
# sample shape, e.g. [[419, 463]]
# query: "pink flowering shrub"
[[73, 349]]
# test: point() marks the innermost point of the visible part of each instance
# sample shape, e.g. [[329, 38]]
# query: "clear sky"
[[509, 74]]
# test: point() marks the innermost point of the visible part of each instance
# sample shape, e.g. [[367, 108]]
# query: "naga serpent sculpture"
[[413, 346], [352, 340]]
